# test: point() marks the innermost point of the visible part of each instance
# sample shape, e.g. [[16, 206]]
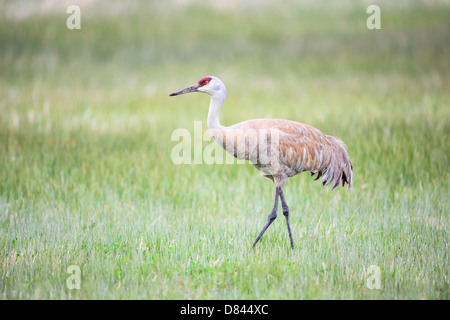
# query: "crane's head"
[[210, 85]]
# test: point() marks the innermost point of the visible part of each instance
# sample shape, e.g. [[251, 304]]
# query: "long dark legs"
[[272, 215], [286, 215]]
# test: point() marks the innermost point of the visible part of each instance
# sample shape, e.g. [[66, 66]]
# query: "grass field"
[[86, 176]]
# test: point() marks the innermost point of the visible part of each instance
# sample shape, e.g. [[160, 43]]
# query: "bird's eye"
[[204, 81]]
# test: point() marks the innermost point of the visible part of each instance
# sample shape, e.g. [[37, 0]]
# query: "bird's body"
[[278, 148], [301, 148]]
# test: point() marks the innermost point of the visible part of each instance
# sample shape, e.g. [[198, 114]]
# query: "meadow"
[[87, 179]]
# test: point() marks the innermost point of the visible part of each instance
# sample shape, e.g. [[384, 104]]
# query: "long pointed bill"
[[186, 90]]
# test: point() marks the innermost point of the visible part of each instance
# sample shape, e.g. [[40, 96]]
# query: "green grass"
[[86, 176]]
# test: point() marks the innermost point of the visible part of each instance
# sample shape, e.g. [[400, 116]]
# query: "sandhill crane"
[[278, 148]]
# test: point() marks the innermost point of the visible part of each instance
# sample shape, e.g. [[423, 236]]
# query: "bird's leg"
[[271, 217], [286, 215]]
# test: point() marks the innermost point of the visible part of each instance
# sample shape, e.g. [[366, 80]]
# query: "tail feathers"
[[339, 168]]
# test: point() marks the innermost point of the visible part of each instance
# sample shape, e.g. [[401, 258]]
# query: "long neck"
[[213, 114]]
